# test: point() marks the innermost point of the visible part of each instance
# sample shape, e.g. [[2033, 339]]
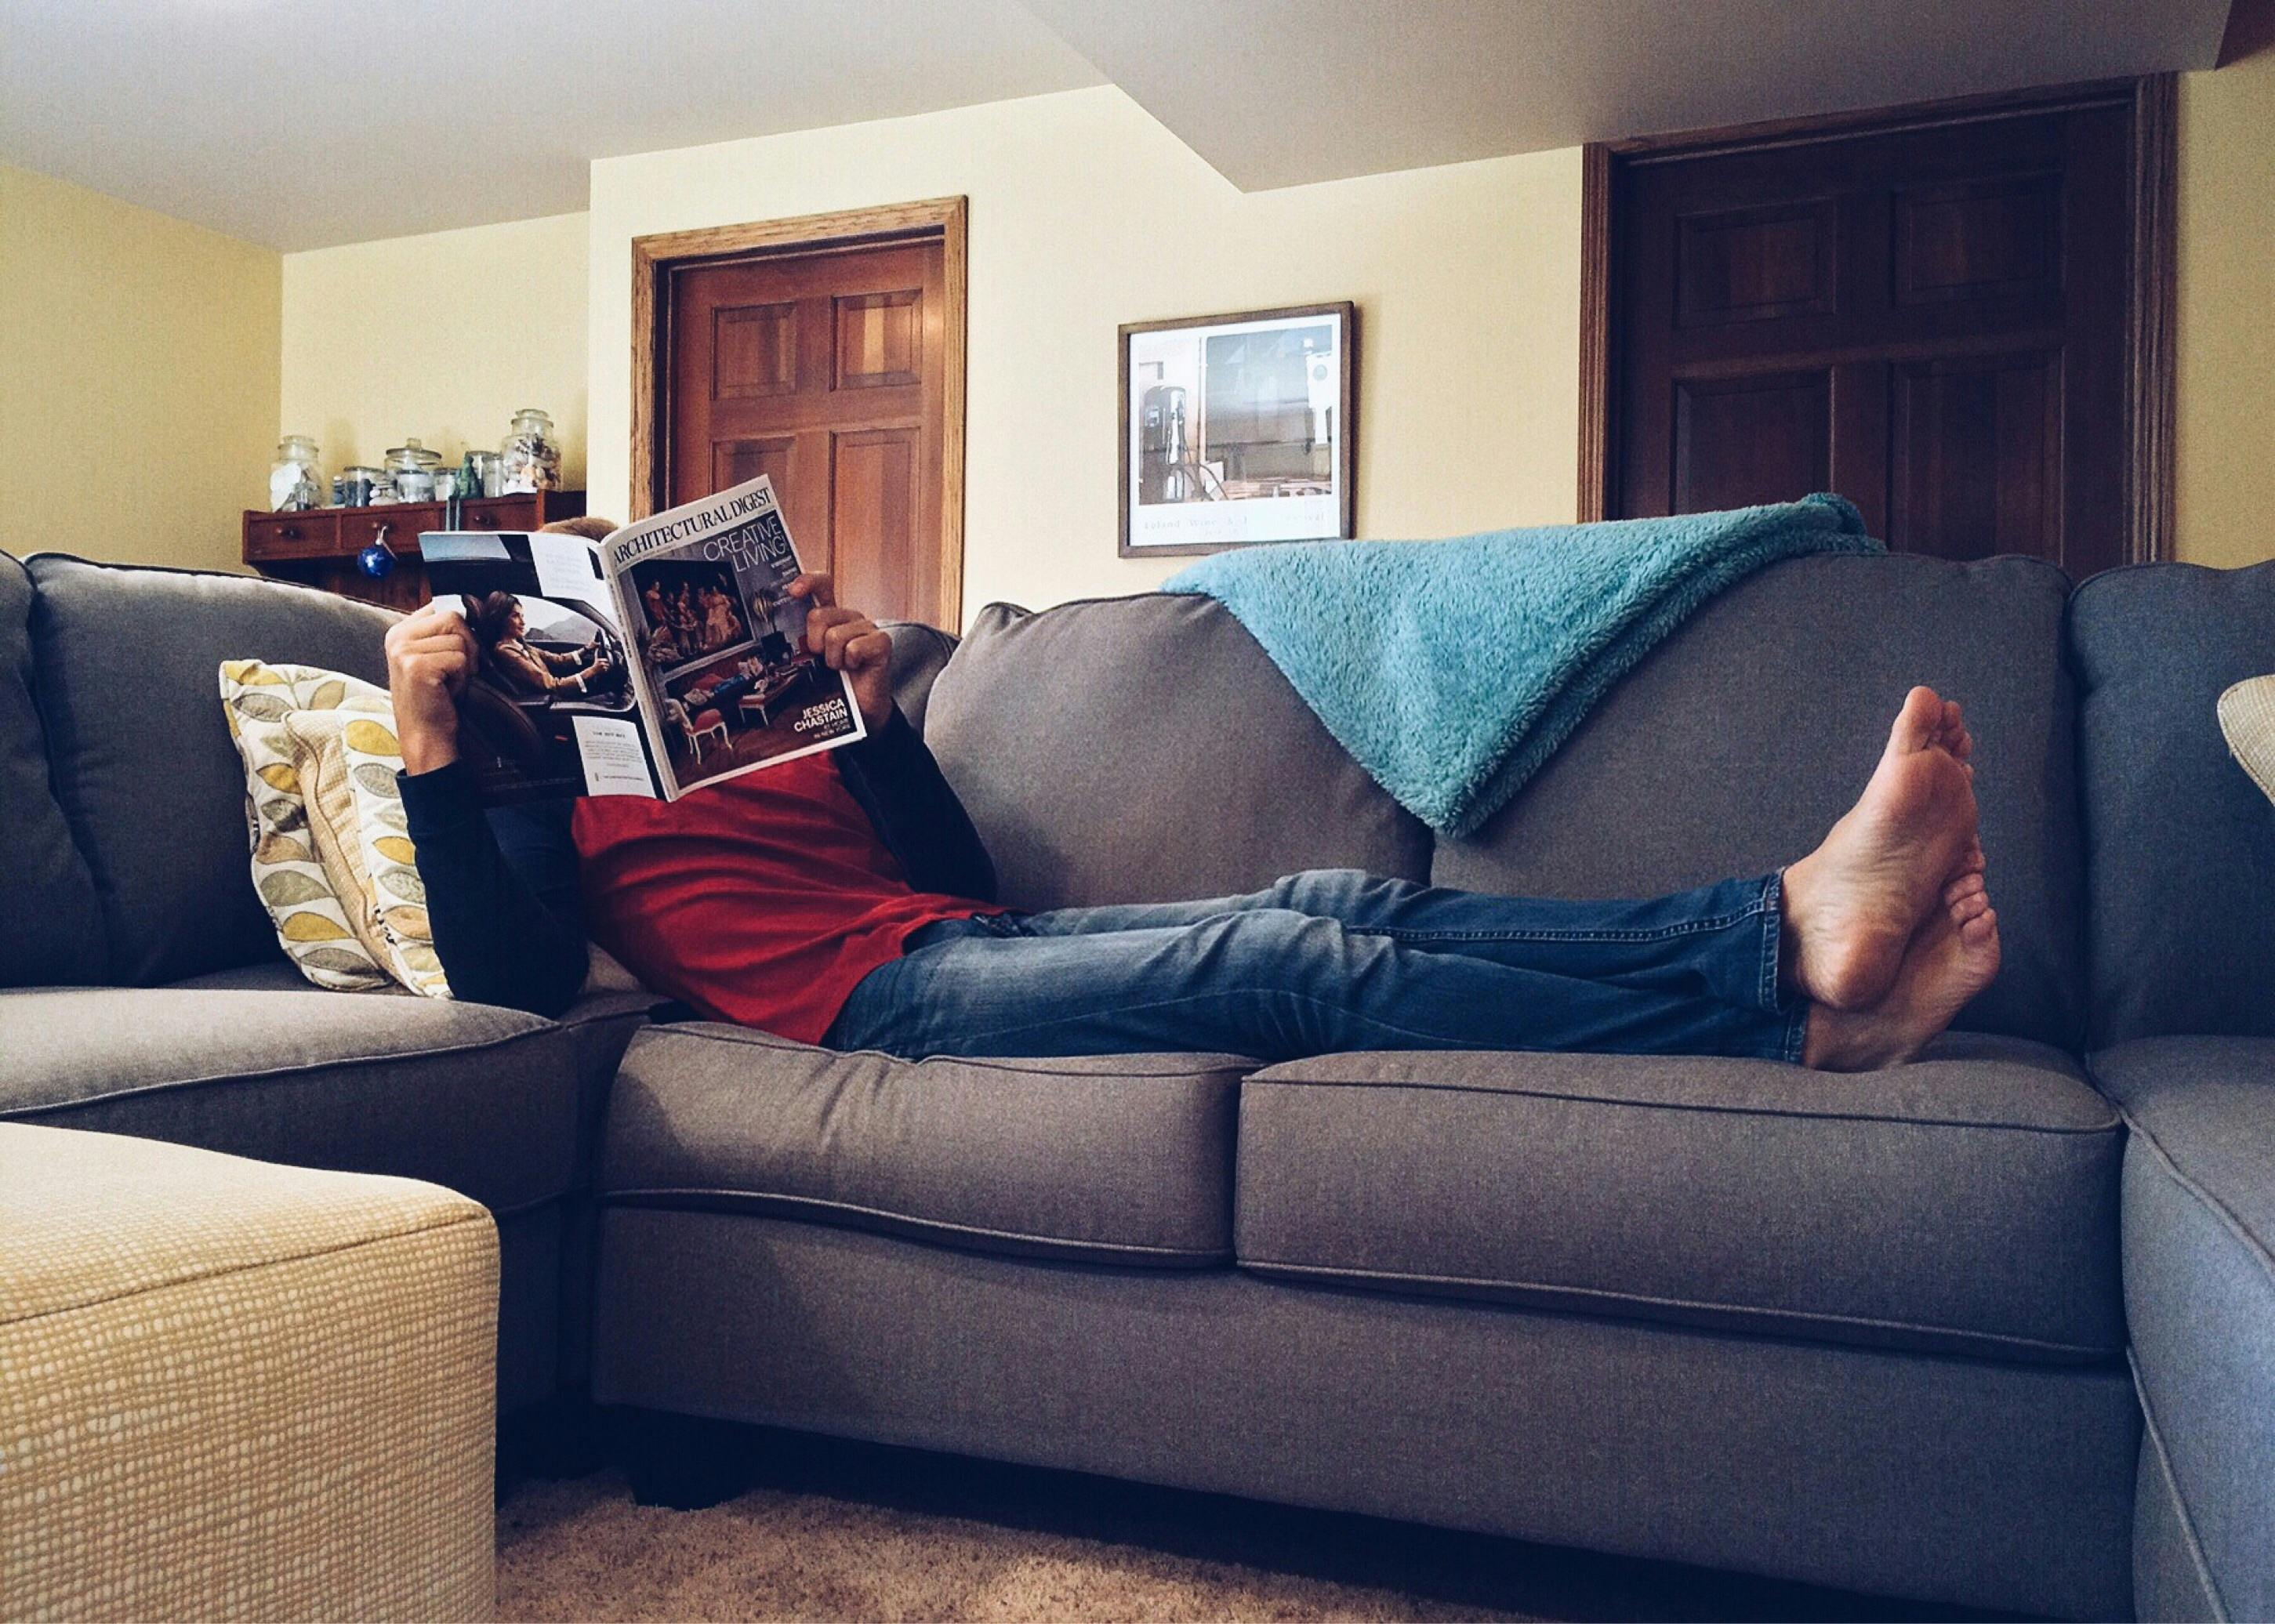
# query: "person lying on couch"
[[844, 898]]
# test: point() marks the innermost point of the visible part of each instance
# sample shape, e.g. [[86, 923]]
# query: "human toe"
[[1919, 721]]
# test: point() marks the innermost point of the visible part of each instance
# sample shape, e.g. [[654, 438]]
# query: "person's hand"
[[430, 655], [848, 641]]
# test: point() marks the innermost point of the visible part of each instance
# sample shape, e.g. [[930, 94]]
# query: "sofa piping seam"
[[2155, 1438], [759, 1040], [455, 1219], [1259, 1080], [668, 1199], [2227, 1217], [1597, 1294]]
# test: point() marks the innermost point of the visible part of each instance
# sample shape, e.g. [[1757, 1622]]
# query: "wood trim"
[[656, 256], [1775, 132], [2150, 320], [2150, 305], [1346, 435], [1596, 369]]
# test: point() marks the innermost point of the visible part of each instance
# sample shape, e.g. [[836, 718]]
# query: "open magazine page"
[[717, 643], [551, 710]]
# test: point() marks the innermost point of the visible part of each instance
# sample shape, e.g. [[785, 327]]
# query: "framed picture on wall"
[[1237, 429]]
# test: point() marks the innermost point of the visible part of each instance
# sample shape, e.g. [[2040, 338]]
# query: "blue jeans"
[[1337, 959]]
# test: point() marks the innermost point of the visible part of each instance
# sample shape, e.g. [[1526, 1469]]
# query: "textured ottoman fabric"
[[1125, 1158], [239, 1390], [2199, 1209], [1965, 1203]]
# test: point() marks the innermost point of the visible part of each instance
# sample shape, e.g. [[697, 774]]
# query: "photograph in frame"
[[1237, 429]]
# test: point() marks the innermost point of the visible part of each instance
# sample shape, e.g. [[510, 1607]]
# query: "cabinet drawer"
[[498, 513], [401, 522], [314, 533]]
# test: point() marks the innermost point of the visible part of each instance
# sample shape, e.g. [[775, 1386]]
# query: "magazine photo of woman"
[[502, 629]]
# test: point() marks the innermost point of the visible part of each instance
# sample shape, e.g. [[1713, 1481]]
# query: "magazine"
[[669, 656]]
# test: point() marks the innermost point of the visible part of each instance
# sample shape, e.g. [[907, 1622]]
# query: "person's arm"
[[890, 773], [500, 940], [916, 812], [530, 669], [501, 895]]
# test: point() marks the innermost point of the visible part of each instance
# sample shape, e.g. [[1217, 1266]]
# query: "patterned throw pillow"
[[2247, 716], [312, 920], [347, 764]]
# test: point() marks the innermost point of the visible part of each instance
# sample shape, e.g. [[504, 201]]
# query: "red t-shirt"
[[761, 901]]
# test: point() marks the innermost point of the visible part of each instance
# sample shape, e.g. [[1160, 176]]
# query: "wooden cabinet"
[[318, 548]]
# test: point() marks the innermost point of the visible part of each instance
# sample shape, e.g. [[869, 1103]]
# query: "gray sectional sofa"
[[1997, 1328]]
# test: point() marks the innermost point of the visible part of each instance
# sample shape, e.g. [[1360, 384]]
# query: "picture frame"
[[1238, 430]]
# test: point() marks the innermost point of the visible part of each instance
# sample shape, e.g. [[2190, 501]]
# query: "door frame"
[[2154, 101], [656, 256]]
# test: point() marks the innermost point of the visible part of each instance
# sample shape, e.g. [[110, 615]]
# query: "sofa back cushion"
[[1735, 745], [55, 928], [2180, 842], [125, 669], [1146, 749]]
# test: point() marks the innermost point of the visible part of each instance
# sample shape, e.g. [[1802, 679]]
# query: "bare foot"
[[1954, 957], [1852, 905]]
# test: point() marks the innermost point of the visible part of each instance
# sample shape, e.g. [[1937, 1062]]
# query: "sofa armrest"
[[239, 1389], [2199, 1265]]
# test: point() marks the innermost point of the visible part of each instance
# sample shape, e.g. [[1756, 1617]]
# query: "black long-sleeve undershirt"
[[502, 893]]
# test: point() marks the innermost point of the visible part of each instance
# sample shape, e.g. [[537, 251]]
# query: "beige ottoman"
[[234, 1390]]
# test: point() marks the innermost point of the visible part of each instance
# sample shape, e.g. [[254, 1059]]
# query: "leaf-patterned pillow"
[[303, 902], [348, 763]]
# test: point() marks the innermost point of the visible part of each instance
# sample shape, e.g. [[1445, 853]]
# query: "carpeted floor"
[[833, 1530], [582, 1550]]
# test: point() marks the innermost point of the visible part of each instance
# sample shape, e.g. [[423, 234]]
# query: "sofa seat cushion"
[[1121, 1158], [2199, 1214], [479, 1099], [1965, 1203]]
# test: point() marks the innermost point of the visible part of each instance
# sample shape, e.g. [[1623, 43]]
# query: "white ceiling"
[[303, 123], [1275, 93]]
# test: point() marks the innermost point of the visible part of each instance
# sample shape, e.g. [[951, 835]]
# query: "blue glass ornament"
[[375, 561]]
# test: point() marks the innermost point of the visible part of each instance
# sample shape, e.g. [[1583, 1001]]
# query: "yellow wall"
[[138, 378], [1085, 214], [2226, 377], [444, 335]]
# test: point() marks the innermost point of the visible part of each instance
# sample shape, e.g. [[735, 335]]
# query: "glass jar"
[[295, 481], [531, 455], [359, 481], [485, 473], [412, 466]]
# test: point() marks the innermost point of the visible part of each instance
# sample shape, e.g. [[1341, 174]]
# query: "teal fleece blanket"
[[1452, 670]]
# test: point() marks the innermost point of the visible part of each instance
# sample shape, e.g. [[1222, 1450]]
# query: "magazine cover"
[[668, 656], [719, 643]]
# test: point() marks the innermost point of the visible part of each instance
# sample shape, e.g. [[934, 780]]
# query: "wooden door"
[[1928, 320], [826, 371]]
